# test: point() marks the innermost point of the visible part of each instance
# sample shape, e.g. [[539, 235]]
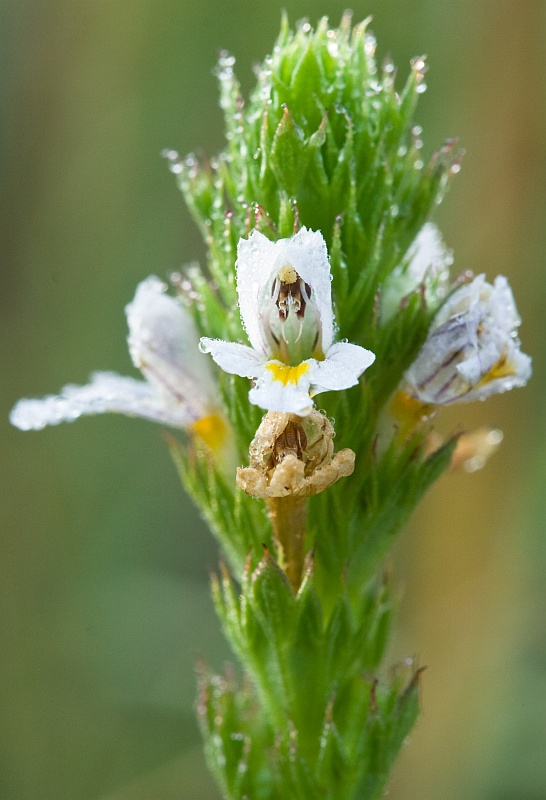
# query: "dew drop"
[[370, 44], [226, 60], [173, 159]]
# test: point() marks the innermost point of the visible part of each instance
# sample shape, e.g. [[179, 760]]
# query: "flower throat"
[[293, 317]]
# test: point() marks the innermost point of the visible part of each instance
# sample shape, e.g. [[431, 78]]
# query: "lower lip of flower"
[[502, 369], [286, 374]]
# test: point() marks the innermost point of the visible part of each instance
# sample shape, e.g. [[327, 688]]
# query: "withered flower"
[[293, 456]]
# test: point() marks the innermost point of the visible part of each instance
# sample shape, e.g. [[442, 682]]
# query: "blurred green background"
[[104, 566]]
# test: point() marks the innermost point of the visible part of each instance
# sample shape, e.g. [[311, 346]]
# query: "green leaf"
[[273, 600], [289, 155], [306, 668]]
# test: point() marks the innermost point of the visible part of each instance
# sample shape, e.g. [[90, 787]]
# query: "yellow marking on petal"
[[288, 274], [502, 369], [211, 430], [286, 374]]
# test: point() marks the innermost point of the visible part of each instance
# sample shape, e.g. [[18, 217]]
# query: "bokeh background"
[[104, 566]]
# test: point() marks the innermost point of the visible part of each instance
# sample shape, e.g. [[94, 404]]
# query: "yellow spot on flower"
[[286, 374], [288, 274], [502, 369], [211, 430]]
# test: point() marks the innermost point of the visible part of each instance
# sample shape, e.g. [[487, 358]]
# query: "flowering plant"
[[324, 276]]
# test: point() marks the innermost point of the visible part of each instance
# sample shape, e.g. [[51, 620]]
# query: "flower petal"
[[106, 392], [276, 390], [163, 343], [512, 375], [255, 260], [258, 260], [341, 369], [469, 298], [428, 256], [503, 305], [426, 265], [237, 359]]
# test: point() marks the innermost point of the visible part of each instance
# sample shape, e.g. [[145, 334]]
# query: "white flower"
[[178, 391], [472, 350], [426, 264], [285, 300]]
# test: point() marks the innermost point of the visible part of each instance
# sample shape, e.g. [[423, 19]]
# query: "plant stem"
[[289, 518]]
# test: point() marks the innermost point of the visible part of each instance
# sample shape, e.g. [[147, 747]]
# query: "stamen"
[[289, 297]]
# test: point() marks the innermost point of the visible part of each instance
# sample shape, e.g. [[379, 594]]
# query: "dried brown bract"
[[293, 456]]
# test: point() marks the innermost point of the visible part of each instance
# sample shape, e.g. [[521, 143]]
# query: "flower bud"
[[425, 267]]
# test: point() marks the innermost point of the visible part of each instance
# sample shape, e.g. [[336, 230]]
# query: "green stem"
[[289, 519]]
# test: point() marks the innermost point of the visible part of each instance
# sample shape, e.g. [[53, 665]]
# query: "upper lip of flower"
[[285, 300], [178, 391], [261, 267]]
